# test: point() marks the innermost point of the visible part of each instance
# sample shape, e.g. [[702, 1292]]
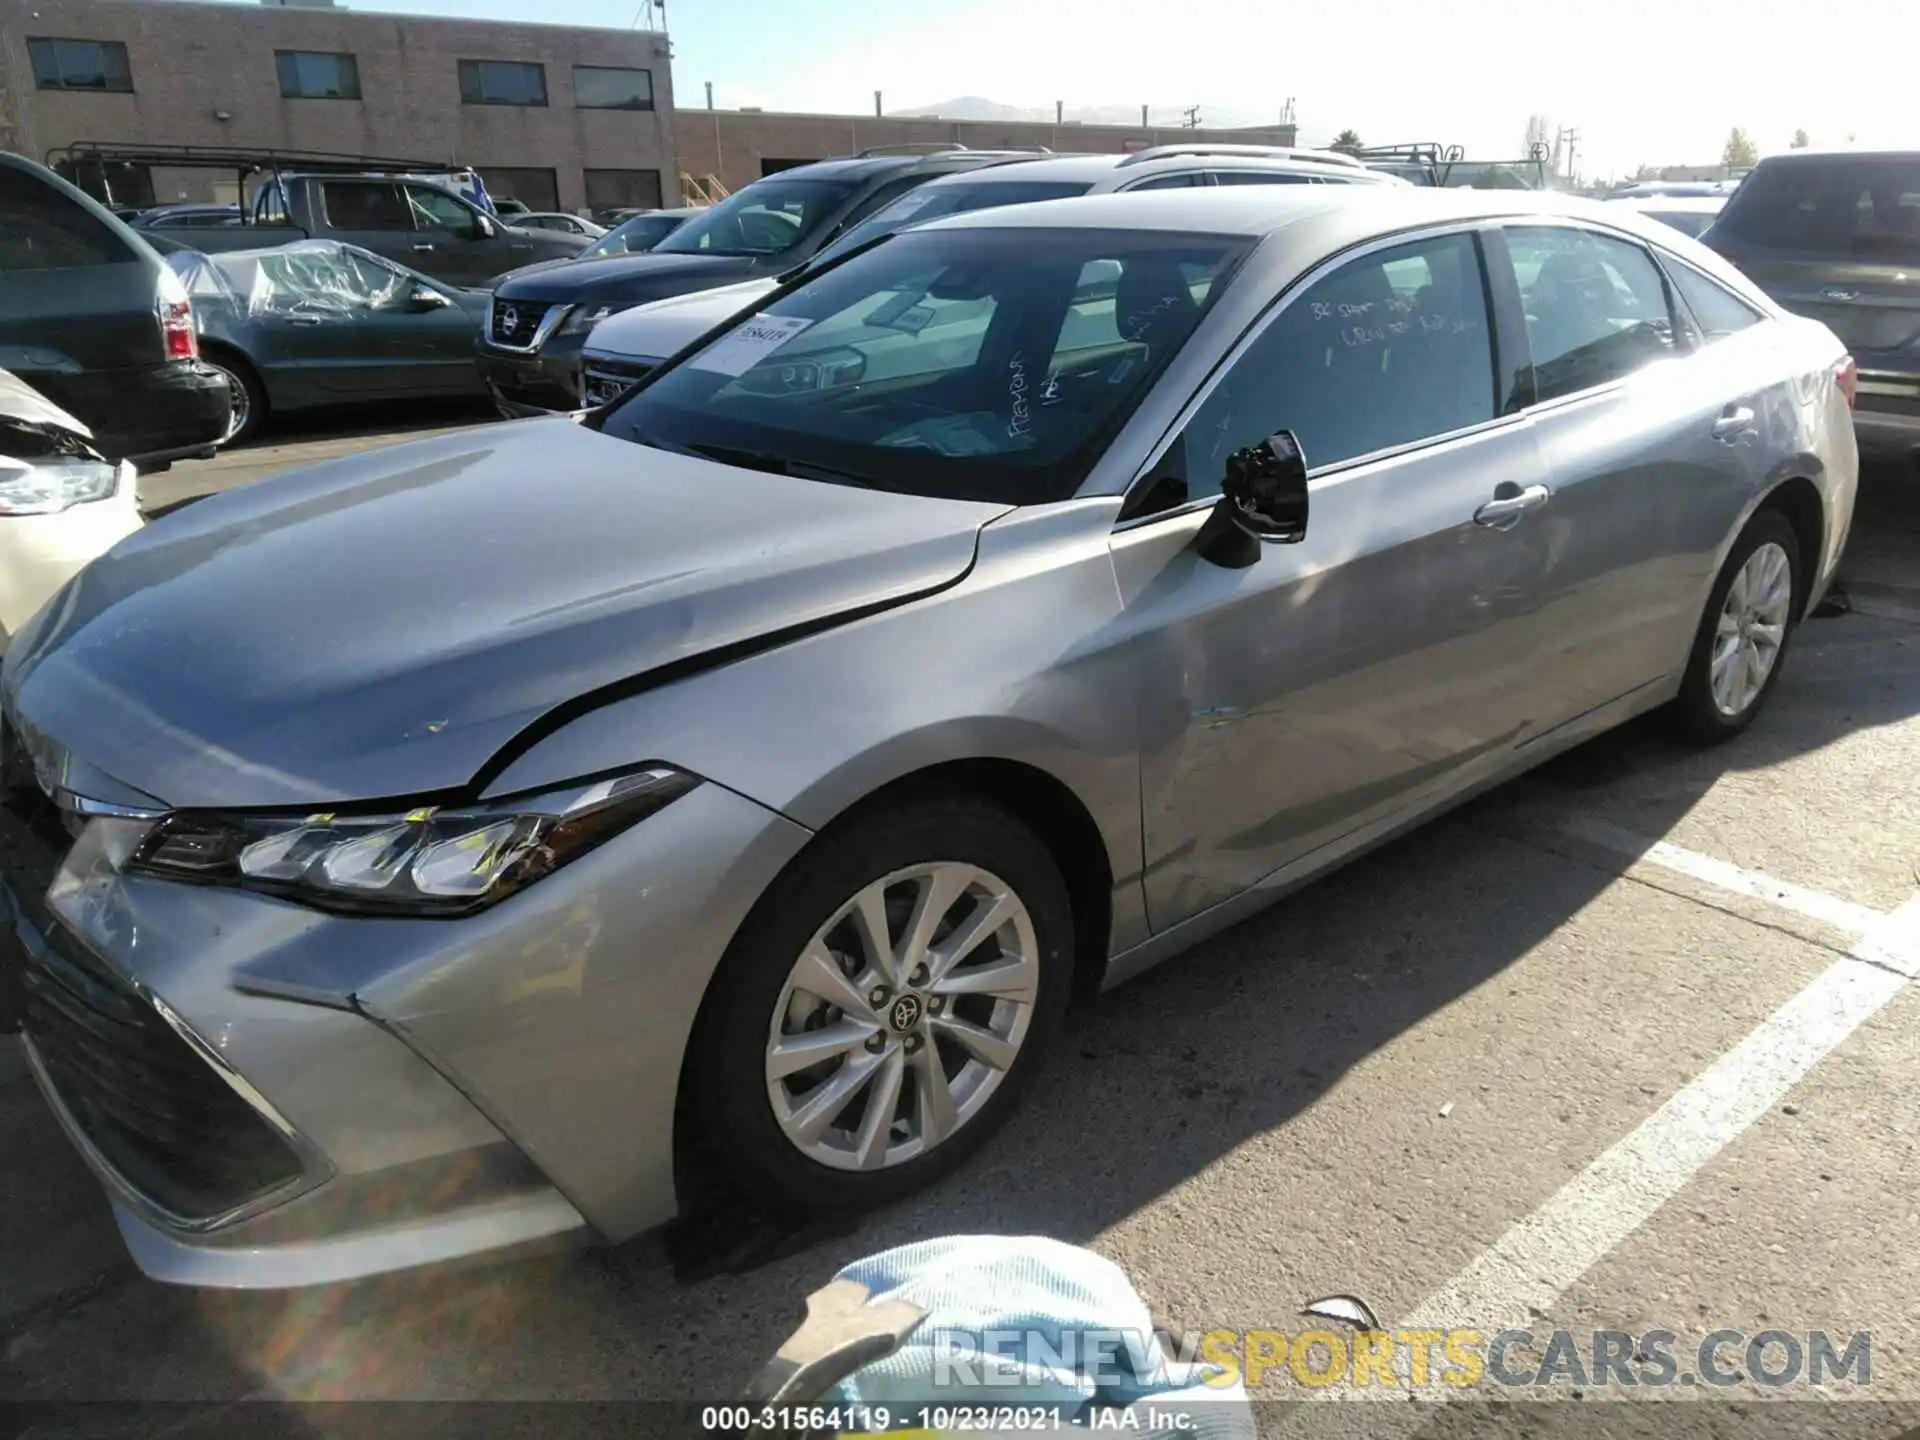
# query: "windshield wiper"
[[780, 465]]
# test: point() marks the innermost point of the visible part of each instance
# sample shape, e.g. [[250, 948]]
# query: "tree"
[[1347, 140], [1539, 132], [1740, 153], [1799, 139]]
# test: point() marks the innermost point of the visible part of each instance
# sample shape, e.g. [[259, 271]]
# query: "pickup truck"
[[418, 223]]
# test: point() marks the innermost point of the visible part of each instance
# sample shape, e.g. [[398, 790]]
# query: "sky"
[[1643, 81]]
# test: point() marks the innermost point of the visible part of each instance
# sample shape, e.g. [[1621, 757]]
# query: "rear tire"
[[249, 396], [982, 1020], [1741, 645]]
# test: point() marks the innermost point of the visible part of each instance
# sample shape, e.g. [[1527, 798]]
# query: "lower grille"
[[607, 380], [540, 397], [157, 1113]]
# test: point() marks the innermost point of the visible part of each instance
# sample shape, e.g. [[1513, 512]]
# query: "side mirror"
[[483, 228], [421, 298], [1263, 500]]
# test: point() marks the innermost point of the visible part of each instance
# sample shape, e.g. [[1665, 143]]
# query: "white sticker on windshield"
[[903, 207], [749, 344]]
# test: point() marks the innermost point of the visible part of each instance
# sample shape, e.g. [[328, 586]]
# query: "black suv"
[[529, 349], [1835, 235], [92, 318]]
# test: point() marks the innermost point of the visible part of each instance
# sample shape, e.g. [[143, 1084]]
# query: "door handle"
[[1504, 511], [422, 245], [298, 319], [1735, 420]]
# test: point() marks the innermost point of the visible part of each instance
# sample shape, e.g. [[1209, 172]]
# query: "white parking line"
[[1529, 1267], [1829, 909]]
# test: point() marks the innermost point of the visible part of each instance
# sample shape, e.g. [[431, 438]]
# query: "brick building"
[[559, 116], [740, 146]]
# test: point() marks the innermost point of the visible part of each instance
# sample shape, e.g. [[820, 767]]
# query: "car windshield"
[[1865, 207], [932, 201], [982, 364], [769, 217], [630, 237]]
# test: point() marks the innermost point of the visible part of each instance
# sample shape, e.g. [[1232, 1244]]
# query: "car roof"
[[1839, 152], [866, 167], [1092, 169], [1258, 210]]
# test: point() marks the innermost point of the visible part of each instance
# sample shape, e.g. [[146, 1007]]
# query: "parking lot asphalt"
[[1625, 1045]]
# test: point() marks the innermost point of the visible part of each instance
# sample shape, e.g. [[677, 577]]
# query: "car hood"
[[381, 626], [23, 406], [655, 331], [632, 279]]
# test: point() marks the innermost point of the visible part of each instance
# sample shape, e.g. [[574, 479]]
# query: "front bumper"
[[421, 1091], [541, 382], [1886, 417]]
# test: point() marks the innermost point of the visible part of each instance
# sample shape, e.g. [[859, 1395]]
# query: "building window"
[[623, 190], [502, 82], [599, 87], [317, 75], [80, 64], [535, 189]]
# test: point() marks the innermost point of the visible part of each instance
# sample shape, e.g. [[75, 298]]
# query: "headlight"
[[46, 487], [428, 861], [583, 319]]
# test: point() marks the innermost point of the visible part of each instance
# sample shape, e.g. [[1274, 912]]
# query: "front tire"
[[883, 1008], [1742, 642]]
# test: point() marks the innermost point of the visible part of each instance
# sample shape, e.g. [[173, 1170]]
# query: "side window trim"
[[1509, 326], [1145, 473], [1678, 318]]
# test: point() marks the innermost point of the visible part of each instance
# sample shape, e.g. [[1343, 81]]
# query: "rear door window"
[[1596, 307], [1259, 177], [365, 205], [1170, 182], [1859, 207], [41, 229]]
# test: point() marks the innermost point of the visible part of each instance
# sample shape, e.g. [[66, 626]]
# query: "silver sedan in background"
[[460, 846]]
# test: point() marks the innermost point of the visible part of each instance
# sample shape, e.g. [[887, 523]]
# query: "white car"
[[61, 504], [625, 347]]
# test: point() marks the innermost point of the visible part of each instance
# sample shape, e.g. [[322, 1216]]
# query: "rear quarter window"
[[42, 229]]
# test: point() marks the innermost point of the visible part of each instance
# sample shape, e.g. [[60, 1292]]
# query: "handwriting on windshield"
[[1020, 420]]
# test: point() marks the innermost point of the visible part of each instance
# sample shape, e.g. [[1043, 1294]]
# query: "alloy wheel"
[[1751, 628], [902, 1016], [240, 400]]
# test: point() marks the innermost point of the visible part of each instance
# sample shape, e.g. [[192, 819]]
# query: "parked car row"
[[727, 789], [765, 234]]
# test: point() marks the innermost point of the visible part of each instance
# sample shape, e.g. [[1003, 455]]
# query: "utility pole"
[[1192, 113], [1573, 141]]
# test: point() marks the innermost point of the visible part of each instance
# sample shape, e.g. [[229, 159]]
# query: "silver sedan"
[[451, 848]]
